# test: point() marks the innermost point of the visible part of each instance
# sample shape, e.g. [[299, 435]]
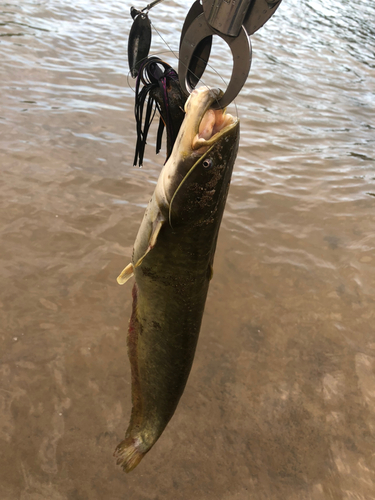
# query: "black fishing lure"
[[162, 91], [139, 42]]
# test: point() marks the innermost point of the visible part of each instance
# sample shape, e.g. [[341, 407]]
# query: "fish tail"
[[128, 455]]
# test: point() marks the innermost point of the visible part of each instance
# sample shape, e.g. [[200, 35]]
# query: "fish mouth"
[[200, 131], [210, 124]]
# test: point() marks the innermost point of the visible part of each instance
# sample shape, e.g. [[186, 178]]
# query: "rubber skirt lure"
[[157, 89]]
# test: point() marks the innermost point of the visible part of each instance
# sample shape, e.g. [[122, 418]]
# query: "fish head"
[[194, 182]]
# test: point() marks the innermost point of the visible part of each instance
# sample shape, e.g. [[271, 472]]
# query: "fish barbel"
[[172, 264]]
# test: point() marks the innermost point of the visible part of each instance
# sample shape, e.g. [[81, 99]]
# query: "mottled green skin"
[[170, 293]]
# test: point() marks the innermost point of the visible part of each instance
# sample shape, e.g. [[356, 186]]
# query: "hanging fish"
[[172, 264], [139, 42]]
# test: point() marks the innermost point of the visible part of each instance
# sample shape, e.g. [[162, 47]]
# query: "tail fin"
[[128, 454]]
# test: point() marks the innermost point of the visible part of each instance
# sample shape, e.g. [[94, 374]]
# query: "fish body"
[[172, 264]]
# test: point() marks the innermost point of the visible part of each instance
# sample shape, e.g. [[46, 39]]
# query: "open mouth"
[[214, 123]]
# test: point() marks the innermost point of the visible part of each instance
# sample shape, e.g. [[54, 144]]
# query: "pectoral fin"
[[128, 272], [158, 224], [125, 274]]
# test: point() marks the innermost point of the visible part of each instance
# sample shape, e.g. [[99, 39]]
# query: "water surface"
[[280, 403]]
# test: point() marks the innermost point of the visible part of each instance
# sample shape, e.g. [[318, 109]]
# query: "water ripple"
[[285, 364]]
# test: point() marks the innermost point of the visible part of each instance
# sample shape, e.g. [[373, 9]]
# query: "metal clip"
[[231, 20], [195, 49], [226, 16]]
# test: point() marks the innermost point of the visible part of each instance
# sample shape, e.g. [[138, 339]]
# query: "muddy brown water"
[[280, 403]]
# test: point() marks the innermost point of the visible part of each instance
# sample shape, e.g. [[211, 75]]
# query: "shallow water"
[[280, 403]]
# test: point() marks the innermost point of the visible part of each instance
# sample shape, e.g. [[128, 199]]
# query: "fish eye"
[[207, 163]]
